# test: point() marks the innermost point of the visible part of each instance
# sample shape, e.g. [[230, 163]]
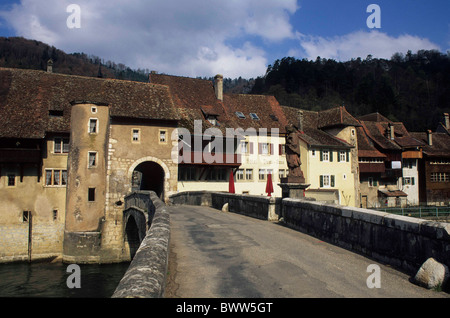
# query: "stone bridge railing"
[[146, 276], [401, 241]]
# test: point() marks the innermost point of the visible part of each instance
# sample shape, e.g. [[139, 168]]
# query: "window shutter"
[[375, 183], [271, 149], [321, 155], [332, 181], [321, 181], [331, 155], [412, 181], [259, 148], [338, 156], [348, 156], [251, 148]]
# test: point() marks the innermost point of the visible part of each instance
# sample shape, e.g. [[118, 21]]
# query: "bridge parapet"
[[146, 276]]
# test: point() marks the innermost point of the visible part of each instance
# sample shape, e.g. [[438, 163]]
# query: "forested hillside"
[[412, 88], [17, 52]]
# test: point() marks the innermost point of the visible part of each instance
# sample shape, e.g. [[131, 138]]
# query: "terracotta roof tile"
[[440, 144]]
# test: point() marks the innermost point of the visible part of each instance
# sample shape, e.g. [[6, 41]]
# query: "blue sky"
[[231, 37]]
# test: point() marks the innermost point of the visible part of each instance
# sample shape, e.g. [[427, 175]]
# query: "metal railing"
[[420, 211]]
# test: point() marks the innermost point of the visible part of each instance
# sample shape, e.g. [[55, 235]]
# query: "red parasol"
[[231, 183], [269, 185]]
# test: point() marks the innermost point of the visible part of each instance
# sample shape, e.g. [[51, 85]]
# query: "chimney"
[[218, 86], [300, 120], [430, 138], [50, 66], [391, 132], [446, 121]]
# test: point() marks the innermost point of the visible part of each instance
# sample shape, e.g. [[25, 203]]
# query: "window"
[[254, 116], [282, 149], [240, 115], [26, 215], [91, 194], [372, 182], [265, 149], [11, 180], [273, 117], [240, 174], [94, 110], [327, 181], [186, 174], [135, 135], [313, 153], [55, 215], [262, 174], [61, 145], [217, 175], [353, 132], [408, 163], [342, 156], [440, 177], [325, 155], [244, 147], [249, 174], [408, 181], [93, 123], [55, 177], [281, 173], [92, 160], [162, 136]]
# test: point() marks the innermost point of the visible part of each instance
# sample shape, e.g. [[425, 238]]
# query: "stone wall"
[[401, 241], [260, 207], [46, 241], [146, 276]]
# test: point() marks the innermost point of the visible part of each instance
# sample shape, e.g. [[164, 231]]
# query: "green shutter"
[[338, 156], [331, 155], [348, 156], [332, 181], [375, 183], [321, 155], [321, 181], [412, 181]]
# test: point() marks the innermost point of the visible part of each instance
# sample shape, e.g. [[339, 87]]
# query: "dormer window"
[[212, 120], [240, 115], [254, 116]]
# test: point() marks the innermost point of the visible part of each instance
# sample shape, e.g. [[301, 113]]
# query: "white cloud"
[[188, 38], [361, 44]]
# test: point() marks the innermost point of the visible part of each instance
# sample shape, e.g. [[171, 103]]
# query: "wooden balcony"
[[213, 159], [11, 155], [372, 167]]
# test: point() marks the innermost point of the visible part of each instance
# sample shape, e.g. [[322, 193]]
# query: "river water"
[[49, 280]]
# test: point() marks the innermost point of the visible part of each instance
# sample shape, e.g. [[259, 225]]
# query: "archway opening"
[[132, 236], [149, 176]]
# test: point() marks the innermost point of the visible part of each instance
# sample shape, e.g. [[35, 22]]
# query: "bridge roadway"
[[217, 254]]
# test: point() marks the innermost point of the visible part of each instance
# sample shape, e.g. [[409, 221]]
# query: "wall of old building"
[[43, 199]]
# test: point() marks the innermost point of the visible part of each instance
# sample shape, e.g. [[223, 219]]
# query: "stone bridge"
[[227, 245]]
